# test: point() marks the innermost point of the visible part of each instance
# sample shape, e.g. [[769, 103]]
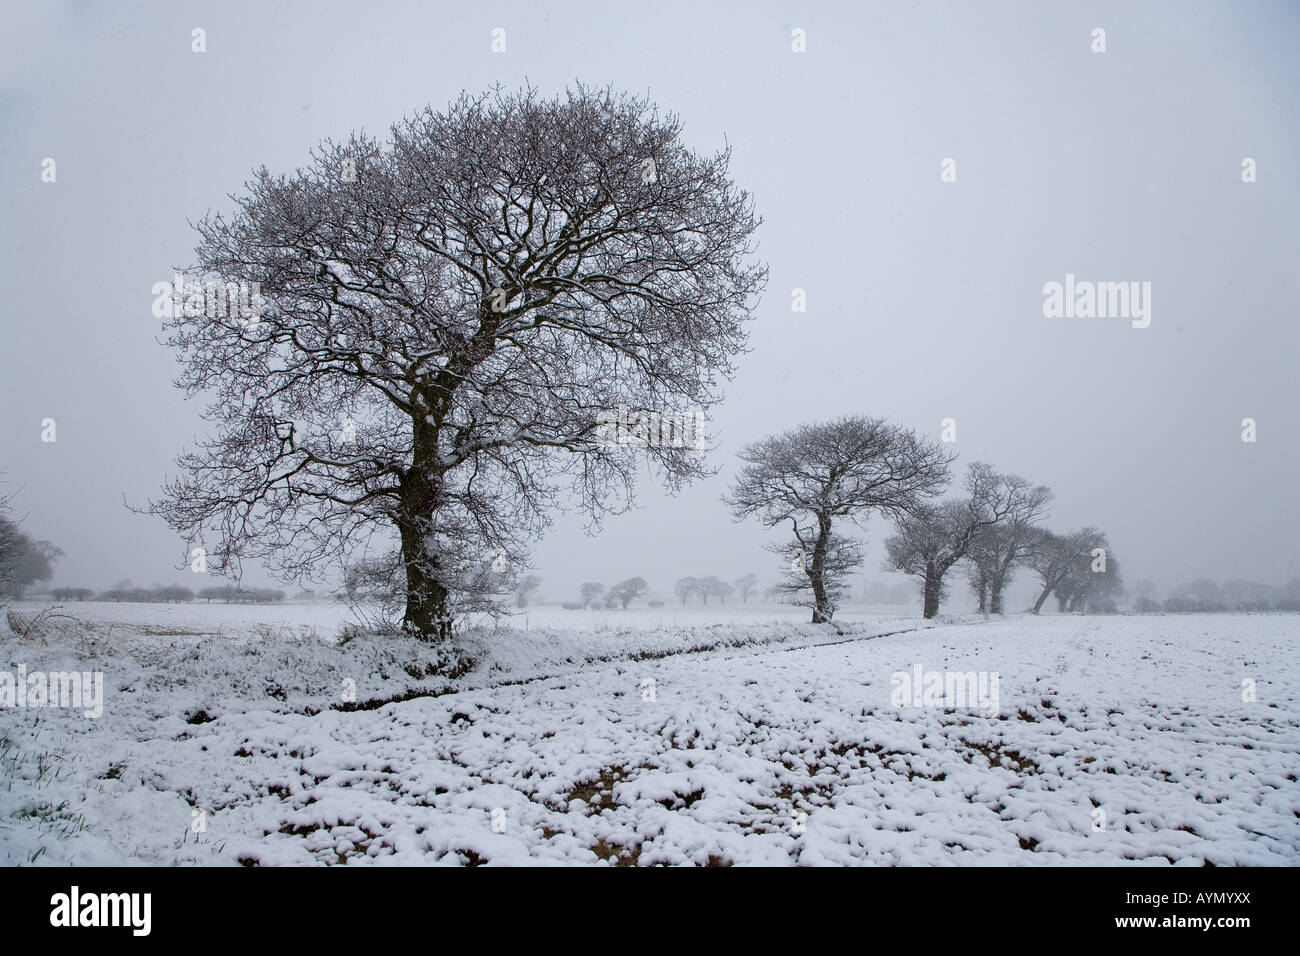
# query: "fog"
[[925, 298]]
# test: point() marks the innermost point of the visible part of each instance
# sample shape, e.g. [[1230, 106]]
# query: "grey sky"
[[924, 298]]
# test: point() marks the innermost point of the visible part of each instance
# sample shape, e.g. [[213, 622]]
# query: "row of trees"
[[994, 528], [818, 477], [442, 333], [1205, 595], [881, 592], [594, 593], [171, 594], [705, 588]]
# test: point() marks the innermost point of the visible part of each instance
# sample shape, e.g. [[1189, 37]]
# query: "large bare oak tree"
[[445, 316]]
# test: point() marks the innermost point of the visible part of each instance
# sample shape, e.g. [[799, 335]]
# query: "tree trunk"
[[427, 614], [983, 593], [1042, 598], [930, 592], [822, 611], [995, 594]]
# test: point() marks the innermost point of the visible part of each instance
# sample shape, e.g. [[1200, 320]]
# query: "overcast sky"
[[924, 298]]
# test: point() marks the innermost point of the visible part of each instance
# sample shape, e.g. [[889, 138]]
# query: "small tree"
[[526, 588], [818, 474], [591, 592], [1287, 596], [1144, 593], [708, 586], [23, 560], [625, 592], [746, 586], [685, 587], [1238, 594], [1204, 591]]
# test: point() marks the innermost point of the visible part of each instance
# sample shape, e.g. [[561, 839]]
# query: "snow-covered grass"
[[327, 618], [763, 743]]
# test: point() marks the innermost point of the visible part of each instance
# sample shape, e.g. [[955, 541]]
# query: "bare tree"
[[997, 549], [927, 544], [1238, 594], [710, 585], [746, 586], [1204, 591], [1095, 583], [1061, 560], [815, 474], [24, 561], [12, 543], [591, 592], [685, 587], [445, 318], [625, 592], [840, 558], [525, 589]]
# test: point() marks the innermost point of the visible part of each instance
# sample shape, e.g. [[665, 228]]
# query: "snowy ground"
[[1119, 740], [326, 618]]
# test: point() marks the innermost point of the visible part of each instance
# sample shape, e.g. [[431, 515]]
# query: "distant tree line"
[[595, 594], [880, 592], [1206, 596], [714, 587], [171, 594]]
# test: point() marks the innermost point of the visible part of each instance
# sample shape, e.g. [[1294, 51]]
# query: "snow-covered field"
[[328, 617], [224, 740]]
